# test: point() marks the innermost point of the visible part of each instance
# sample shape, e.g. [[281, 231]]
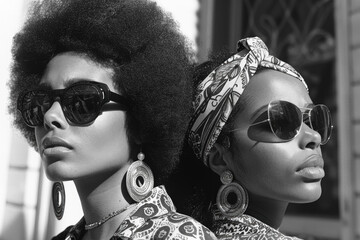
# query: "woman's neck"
[[100, 196], [268, 211]]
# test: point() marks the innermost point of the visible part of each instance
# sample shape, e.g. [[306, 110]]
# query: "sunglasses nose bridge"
[[52, 99], [57, 96], [305, 116], [54, 115]]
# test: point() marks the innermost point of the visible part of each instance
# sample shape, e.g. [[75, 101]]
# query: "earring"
[[139, 179], [232, 199], [58, 199]]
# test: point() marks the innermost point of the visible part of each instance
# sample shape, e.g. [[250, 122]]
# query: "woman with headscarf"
[[258, 135]]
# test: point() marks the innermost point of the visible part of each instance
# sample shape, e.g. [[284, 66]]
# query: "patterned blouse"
[[246, 227], [154, 217]]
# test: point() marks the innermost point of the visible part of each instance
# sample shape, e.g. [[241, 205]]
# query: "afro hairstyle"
[[151, 59]]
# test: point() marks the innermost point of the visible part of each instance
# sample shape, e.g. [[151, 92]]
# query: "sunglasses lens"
[[33, 106], [321, 122], [82, 103], [285, 119]]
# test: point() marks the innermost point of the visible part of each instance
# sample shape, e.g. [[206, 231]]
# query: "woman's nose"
[[54, 117], [309, 137]]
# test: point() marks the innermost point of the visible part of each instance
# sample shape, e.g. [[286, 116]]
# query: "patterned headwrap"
[[218, 93]]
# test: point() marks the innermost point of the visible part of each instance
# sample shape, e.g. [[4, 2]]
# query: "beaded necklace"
[[107, 218]]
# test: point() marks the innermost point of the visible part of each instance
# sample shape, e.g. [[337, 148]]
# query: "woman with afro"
[[95, 88]]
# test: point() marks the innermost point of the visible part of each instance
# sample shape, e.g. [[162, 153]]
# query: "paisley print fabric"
[[218, 93], [246, 227], [154, 217]]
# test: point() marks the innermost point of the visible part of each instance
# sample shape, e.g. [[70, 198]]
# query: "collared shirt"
[[246, 227], [154, 217]]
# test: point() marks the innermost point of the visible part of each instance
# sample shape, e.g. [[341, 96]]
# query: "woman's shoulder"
[[168, 226], [246, 227], [156, 218], [181, 226]]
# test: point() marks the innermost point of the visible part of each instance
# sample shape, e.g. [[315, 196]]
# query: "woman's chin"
[[54, 177], [57, 175], [309, 195]]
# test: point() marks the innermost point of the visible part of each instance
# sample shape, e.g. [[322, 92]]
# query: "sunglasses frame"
[[57, 95], [302, 120]]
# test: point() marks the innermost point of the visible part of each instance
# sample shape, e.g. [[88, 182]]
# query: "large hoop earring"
[[139, 179], [232, 199], [58, 199]]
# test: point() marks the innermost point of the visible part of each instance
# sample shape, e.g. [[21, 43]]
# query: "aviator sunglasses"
[[285, 120], [81, 102]]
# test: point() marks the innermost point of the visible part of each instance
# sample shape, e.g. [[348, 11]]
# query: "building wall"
[[348, 82], [18, 173], [354, 49]]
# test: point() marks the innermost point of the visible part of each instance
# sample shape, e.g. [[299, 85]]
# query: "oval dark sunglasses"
[[81, 102]]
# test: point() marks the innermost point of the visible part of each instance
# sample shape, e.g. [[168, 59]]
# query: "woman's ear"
[[219, 158]]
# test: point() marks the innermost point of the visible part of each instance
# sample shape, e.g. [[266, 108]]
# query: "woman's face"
[[71, 151], [268, 167]]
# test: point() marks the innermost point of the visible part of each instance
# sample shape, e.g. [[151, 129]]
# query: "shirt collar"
[[156, 204]]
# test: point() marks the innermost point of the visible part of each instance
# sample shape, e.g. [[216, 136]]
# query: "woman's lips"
[[314, 173], [312, 169], [55, 146]]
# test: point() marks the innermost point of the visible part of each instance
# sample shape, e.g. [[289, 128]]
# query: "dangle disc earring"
[[232, 199], [139, 179], [58, 199]]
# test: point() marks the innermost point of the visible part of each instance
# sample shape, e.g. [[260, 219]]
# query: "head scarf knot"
[[218, 93]]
